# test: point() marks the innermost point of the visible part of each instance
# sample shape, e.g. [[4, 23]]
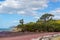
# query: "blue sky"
[[11, 11]]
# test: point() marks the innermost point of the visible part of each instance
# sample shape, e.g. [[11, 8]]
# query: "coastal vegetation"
[[45, 23]]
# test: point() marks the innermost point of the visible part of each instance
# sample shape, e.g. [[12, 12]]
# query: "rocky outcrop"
[[48, 37]]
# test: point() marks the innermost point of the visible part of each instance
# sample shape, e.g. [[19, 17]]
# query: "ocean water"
[[5, 29]]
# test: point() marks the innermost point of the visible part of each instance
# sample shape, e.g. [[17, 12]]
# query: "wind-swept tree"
[[46, 17]]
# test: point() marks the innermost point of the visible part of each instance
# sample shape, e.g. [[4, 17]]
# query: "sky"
[[11, 11]]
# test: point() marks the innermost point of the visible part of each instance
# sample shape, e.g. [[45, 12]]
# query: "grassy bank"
[[56, 38]]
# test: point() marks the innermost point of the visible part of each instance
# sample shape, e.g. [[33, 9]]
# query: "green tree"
[[21, 21], [21, 25], [46, 17], [30, 26]]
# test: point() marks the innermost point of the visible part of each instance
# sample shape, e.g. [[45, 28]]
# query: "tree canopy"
[[45, 23]]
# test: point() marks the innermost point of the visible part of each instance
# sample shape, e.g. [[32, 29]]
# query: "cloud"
[[36, 17], [56, 12], [55, 0], [23, 7], [15, 21], [21, 12]]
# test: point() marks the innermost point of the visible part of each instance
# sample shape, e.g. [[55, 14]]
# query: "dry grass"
[[56, 38]]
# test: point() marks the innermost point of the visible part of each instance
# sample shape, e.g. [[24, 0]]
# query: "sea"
[[5, 29]]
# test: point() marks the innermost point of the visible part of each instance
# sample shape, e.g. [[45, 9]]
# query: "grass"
[[56, 38], [58, 21]]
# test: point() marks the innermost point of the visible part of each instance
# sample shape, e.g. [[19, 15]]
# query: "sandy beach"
[[26, 36]]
